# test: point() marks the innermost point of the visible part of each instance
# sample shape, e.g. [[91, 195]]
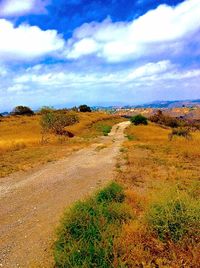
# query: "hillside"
[[23, 147]]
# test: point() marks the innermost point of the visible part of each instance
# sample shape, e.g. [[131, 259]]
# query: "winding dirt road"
[[31, 204]]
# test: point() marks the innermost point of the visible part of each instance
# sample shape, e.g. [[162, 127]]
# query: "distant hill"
[[5, 113], [171, 104]]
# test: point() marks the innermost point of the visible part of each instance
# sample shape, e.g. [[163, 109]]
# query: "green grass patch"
[[106, 130], [131, 137], [87, 231]]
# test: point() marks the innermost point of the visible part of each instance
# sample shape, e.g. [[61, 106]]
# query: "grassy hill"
[[21, 146]]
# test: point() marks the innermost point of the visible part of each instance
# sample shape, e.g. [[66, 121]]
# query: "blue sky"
[[64, 53]]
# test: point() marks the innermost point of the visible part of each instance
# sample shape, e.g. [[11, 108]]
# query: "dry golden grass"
[[162, 181], [20, 140], [152, 158]]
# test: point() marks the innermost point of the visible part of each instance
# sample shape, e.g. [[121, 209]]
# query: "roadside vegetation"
[[162, 182], [154, 222], [88, 230], [29, 141]]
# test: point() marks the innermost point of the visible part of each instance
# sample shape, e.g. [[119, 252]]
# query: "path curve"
[[32, 204]]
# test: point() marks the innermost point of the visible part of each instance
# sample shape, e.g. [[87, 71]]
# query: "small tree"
[[139, 120], [22, 110], [54, 122], [84, 108]]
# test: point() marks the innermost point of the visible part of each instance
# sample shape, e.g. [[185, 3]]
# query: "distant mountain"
[[5, 113], [170, 104]]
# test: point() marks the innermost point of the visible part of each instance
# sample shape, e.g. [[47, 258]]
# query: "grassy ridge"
[[87, 232]]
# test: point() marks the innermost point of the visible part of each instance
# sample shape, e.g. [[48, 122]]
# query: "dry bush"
[[180, 132], [138, 247], [165, 120]]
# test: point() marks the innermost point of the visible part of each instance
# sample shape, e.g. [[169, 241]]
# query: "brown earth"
[[32, 203]]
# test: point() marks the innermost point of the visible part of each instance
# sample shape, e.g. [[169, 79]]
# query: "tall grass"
[[166, 232], [173, 215], [87, 231]]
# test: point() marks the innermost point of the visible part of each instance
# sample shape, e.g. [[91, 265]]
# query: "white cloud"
[[63, 83], [27, 42], [20, 7], [152, 72], [150, 69], [84, 47], [18, 88], [158, 29]]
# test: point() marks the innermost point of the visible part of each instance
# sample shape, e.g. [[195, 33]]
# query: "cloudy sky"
[[103, 52]]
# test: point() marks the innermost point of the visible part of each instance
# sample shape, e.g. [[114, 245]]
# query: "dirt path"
[[32, 204]]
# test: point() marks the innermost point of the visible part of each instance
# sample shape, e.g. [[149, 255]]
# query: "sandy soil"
[[32, 203]]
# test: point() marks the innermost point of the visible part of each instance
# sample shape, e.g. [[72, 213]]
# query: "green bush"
[[174, 216], [106, 130], [84, 108], [139, 120], [88, 229]]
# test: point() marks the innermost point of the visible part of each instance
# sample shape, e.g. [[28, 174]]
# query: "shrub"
[[56, 122], [87, 232], [84, 108], [174, 216], [139, 120], [46, 110], [22, 110], [165, 120], [106, 130], [180, 132], [74, 109]]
